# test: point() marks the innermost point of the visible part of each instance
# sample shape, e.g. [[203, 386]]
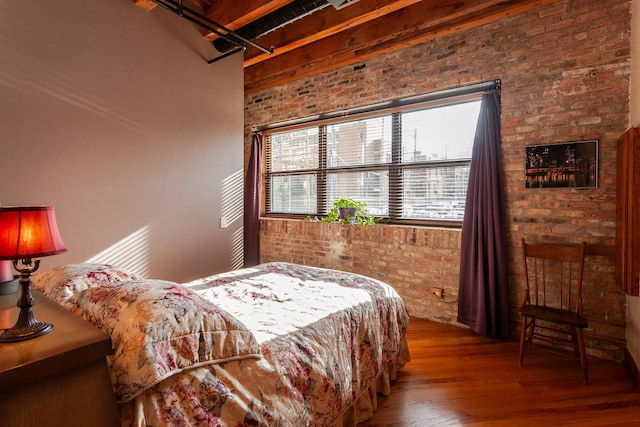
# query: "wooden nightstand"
[[59, 379]]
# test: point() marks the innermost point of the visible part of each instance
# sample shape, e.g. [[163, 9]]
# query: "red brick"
[[565, 72]]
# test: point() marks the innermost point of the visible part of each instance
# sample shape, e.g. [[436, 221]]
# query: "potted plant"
[[346, 209]]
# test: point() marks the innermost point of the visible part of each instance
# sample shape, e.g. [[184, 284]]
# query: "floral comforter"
[[288, 345], [157, 328]]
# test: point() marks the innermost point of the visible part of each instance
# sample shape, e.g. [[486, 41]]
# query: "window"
[[407, 164]]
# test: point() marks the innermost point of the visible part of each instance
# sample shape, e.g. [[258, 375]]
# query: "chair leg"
[[531, 330], [523, 334], [574, 341], [583, 355]]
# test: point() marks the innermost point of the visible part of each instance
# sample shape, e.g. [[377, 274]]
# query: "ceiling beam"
[[322, 24], [234, 14], [145, 4], [421, 22]]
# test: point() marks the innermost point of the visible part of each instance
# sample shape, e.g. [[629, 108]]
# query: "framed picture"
[[569, 164]]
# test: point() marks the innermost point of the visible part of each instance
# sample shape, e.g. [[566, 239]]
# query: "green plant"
[[361, 215]]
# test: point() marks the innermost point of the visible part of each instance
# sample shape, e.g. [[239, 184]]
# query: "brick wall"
[[565, 77], [413, 259]]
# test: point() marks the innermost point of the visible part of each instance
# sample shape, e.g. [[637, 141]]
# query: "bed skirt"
[[367, 403]]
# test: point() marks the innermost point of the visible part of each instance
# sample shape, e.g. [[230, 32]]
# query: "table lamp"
[[27, 233]]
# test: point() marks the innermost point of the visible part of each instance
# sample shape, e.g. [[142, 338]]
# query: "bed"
[[278, 344]]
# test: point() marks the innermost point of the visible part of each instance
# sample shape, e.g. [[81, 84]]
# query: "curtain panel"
[[483, 295], [252, 204]]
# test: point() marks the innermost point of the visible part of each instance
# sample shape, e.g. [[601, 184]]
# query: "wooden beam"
[[412, 25], [150, 5], [322, 24], [145, 4], [234, 14]]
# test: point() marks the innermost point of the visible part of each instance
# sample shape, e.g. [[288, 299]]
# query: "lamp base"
[[27, 326], [25, 330]]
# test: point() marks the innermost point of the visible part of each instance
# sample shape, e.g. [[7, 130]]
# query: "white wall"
[[633, 304], [112, 114]]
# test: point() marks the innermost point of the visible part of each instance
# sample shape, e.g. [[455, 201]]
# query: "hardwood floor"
[[458, 378]]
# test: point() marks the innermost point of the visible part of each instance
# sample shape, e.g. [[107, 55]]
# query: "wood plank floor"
[[457, 378]]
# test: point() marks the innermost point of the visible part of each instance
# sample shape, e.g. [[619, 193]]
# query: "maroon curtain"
[[252, 204], [483, 295]]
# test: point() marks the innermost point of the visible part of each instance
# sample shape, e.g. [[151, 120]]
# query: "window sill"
[[407, 222]]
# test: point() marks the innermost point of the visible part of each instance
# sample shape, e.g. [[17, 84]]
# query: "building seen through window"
[[406, 165]]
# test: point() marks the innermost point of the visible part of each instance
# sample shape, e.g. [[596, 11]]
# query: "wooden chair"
[[553, 278]]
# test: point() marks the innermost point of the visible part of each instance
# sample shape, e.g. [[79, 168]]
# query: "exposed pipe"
[[224, 55], [276, 19], [235, 40]]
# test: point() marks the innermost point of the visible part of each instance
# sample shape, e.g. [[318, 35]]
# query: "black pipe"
[[273, 20], [235, 40], [224, 55]]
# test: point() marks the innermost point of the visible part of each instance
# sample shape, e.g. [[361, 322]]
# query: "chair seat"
[[554, 315]]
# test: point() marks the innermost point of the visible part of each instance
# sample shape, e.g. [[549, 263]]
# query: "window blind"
[[409, 162]]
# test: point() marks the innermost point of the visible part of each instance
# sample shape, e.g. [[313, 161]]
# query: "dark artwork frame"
[[567, 164]]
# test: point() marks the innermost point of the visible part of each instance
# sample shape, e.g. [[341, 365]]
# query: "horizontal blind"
[[409, 163], [293, 150], [436, 141], [358, 155]]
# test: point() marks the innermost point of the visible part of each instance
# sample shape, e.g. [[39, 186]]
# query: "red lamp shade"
[[29, 232]]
